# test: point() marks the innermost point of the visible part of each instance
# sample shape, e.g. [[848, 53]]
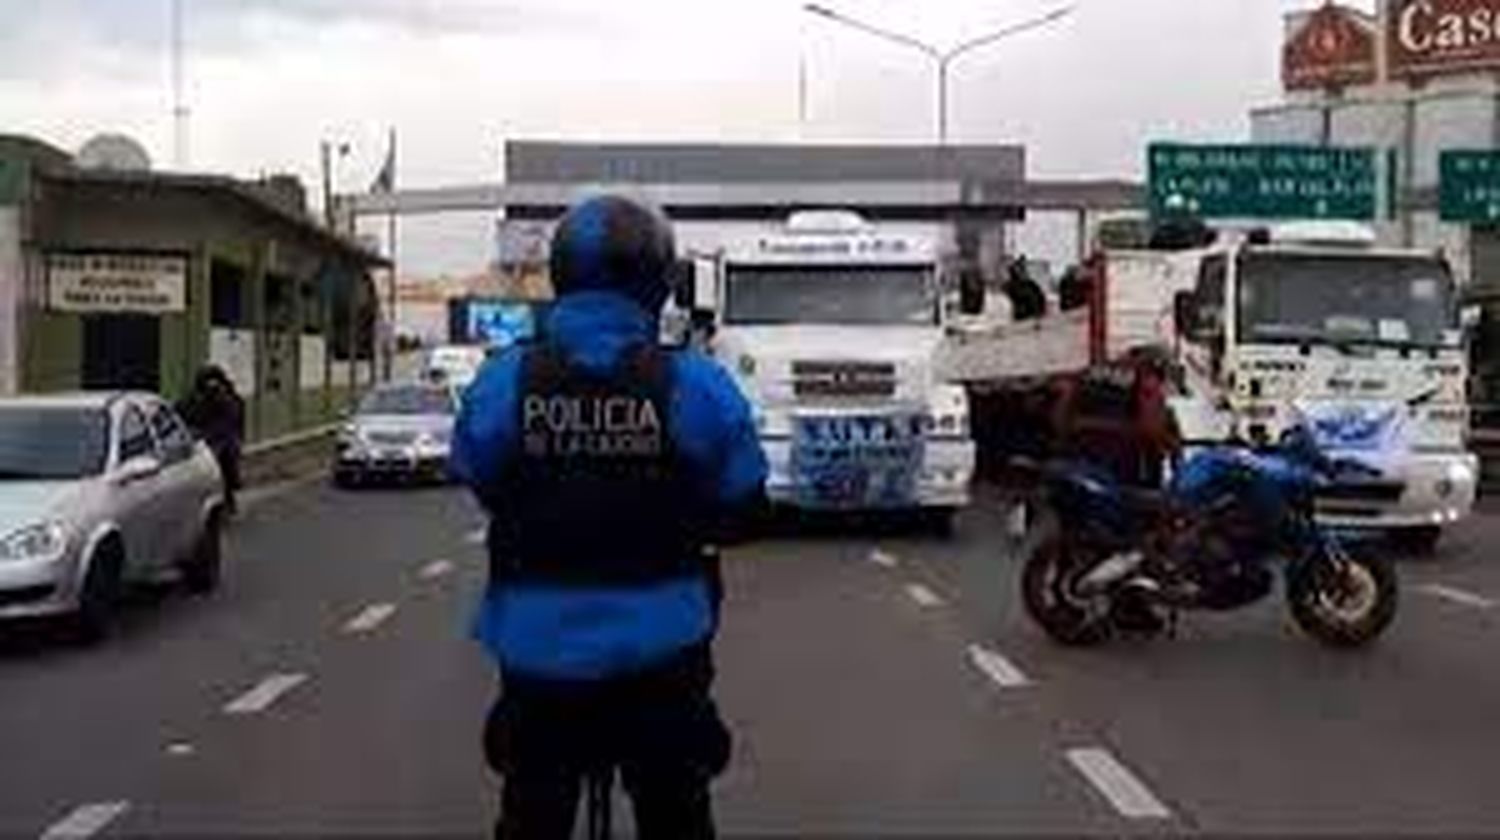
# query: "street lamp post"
[[942, 58]]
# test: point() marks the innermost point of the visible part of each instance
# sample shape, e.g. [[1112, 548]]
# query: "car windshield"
[[407, 400], [51, 443], [844, 295], [1393, 301]]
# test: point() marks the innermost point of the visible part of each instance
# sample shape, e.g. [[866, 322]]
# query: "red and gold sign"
[[1334, 47]]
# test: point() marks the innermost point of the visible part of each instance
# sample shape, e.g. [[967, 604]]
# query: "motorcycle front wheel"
[[1048, 589], [1343, 599]]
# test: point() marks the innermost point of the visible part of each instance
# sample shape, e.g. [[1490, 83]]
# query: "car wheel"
[[204, 570], [99, 597], [344, 479]]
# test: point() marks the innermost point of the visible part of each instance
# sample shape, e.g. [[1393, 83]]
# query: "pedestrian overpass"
[[697, 182]]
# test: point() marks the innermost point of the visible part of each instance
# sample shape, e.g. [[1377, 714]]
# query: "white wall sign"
[[234, 351], [144, 283], [12, 286], [313, 373]]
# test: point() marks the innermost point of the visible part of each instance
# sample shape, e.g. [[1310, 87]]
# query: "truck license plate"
[[856, 461]]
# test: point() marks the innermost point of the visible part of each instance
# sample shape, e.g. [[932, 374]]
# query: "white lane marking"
[[260, 698], [1457, 596], [181, 748], [477, 536], [369, 618], [924, 596], [884, 560], [435, 569], [1128, 794], [85, 820], [997, 668]]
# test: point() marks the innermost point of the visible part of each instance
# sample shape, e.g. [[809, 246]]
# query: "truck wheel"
[[1420, 542], [204, 570], [99, 598]]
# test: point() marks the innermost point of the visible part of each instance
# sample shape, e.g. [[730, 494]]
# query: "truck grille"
[[843, 379], [1364, 491]]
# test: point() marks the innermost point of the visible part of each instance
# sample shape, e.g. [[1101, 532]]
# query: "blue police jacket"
[[582, 633]]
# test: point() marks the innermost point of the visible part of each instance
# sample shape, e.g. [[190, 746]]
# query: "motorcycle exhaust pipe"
[[1112, 571]]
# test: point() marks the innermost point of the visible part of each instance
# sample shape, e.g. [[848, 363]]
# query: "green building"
[[135, 279]]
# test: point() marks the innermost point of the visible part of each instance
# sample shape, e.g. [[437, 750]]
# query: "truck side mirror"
[[971, 291], [684, 284], [1185, 313]]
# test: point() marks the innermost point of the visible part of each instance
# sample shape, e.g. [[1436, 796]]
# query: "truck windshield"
[[1339, 300], [843, 295], [41, 444]]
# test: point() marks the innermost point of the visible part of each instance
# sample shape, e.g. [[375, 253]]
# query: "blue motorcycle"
[[1112, 559]]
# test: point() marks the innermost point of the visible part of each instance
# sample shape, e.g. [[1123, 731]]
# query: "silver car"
[[399, 431], [99, 491]]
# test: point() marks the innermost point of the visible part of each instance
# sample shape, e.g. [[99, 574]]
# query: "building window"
[[312, 309], [226, 295]]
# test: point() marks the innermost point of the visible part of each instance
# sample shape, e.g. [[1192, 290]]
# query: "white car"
[[99, 491], [454, 365], [400, 431]]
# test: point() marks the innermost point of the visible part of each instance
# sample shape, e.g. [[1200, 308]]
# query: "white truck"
[[1309, 322], [831, 328]]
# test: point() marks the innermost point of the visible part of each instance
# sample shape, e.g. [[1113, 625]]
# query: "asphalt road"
[[878, 684]]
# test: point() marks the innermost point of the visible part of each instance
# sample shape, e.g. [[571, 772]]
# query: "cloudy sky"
[[267, 79]]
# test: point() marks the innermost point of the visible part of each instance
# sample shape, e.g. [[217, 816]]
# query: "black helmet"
[[614, 244]]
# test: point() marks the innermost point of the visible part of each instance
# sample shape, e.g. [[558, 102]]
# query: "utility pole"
[[179, 99], [391, 233], [325, 161]]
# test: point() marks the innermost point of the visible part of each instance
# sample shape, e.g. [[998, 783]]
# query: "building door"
[[122, 351]]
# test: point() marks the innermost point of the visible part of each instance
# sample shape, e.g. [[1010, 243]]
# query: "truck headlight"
[[1459, 474], [46, 541], [952, 424]]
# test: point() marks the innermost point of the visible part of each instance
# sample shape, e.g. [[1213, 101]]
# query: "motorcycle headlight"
[[747, 365], [47, 541]]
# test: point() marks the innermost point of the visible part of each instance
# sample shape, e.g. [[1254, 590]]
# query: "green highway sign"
[[1469, 186], [1262, 181]]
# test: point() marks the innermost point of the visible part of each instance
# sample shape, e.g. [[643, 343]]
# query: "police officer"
[[609, 466]]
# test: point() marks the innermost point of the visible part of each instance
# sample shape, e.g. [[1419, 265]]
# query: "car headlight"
[[433, 440], [47, 541], [348, 436]]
